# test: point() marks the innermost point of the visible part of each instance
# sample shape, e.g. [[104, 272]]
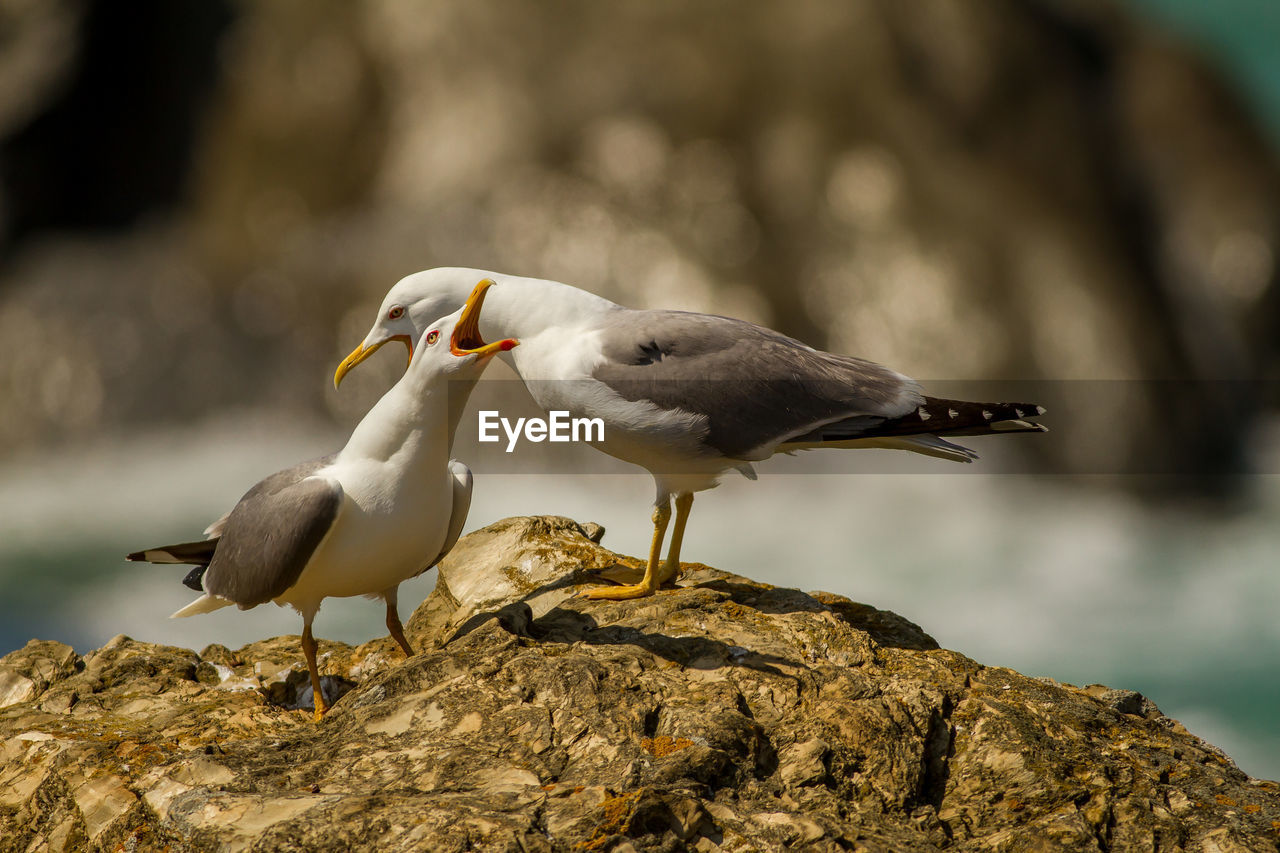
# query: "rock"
[[30, 671], [803, 763], [723, 714]]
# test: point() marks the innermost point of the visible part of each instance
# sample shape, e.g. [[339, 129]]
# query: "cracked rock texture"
[[724, 714]]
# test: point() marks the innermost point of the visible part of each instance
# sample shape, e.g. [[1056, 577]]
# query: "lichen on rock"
[[719, 715]]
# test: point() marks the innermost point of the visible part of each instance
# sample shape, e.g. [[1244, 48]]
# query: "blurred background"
[[202, 203]]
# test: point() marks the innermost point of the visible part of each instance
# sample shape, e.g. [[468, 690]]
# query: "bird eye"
[[396, 313], [432, 337]]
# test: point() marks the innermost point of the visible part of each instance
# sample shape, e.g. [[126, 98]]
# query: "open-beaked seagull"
[[689, 396], [384, 509]]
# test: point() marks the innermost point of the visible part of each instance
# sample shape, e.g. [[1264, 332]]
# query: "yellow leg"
[[671, 568], [309, 646], [396, 629], [648, 584]]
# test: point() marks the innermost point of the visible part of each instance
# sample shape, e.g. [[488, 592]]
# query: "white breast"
[[388, 527]]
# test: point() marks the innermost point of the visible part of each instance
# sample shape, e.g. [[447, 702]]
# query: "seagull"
[[384, 509], [689, 396]]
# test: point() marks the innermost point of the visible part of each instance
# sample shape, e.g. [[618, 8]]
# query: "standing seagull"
[[690, 396], [384, 509]]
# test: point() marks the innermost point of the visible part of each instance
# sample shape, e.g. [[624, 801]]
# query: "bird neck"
[[524, 308], [414, 422]]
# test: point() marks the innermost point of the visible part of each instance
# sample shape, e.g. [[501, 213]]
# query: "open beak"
[[466, 338], [362, 352]]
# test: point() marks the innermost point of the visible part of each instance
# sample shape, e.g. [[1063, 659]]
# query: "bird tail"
[[191, 553], [936, 416], [198, 554], [204, 604], [921, 430]]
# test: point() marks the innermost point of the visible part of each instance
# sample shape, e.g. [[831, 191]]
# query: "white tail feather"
[[204, 604]]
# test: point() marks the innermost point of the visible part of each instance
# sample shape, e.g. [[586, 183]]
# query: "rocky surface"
[[724, 714]]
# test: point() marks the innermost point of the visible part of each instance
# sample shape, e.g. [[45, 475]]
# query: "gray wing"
[[273, 483], [458, 513], [754, 386], [269, 536]]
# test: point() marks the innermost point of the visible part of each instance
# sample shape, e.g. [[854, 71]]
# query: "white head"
[[414, 303], [452, 341]]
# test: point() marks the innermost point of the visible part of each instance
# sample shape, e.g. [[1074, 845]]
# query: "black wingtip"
[[193, 553]]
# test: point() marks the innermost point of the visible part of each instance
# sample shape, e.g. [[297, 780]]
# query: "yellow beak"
[[362, 352], [466, 339]]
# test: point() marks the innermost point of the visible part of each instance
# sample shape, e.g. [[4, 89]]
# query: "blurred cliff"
[[203, 201]]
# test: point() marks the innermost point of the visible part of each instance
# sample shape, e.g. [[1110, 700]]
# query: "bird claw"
[[618, 593]]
